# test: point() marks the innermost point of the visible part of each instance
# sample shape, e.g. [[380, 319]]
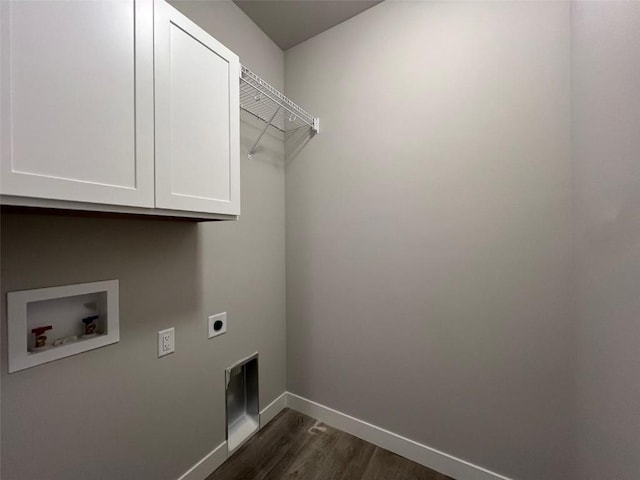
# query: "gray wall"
[[429, 229], [119, 412], [606, 139]]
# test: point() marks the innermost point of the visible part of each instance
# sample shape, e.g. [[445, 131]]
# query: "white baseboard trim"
[[270, 411], [422, 454], [215, 458], [211, 461]]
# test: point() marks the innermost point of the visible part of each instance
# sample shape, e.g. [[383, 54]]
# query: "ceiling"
[[290, 22]]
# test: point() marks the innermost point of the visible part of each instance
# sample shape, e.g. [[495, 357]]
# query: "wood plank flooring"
[[295, 446]]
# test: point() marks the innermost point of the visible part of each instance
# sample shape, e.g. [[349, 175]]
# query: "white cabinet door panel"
[[77, 100], [197, 118]]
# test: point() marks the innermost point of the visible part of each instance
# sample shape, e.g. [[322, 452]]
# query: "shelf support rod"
[[255, 145]]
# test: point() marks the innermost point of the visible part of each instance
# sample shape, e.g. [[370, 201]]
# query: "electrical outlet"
[[166, 341], [217, 324]]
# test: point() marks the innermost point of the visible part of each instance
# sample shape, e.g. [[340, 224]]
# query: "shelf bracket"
[[264, 130]]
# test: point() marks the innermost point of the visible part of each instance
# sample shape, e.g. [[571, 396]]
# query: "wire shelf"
[[263, 101]]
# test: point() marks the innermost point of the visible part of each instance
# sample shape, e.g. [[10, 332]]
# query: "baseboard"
[[422, 454], [215, 458], [211, 461], [270, 411]]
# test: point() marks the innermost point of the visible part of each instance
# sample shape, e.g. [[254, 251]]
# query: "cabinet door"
[[77, 100], [197, 117]]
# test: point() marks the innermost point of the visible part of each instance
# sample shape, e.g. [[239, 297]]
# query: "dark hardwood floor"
[[295, 446]]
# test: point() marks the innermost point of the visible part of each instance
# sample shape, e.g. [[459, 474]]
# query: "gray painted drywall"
[[606, 141], [429, 229], [291, 23], [119, 412]]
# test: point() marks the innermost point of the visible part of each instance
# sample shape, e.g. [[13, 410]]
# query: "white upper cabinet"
[[77, 101], [197, 117], [88, 122]]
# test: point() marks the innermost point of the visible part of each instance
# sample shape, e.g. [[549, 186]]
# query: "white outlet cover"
[[218, 317], [166, 341]]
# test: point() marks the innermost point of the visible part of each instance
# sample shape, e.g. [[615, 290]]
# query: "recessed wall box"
[[47, 324], [243, 411]]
